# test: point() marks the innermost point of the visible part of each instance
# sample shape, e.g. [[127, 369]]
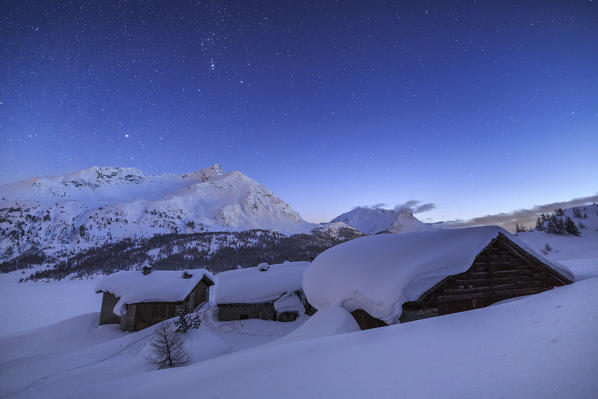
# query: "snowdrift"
[[543, 346], [328, 321]]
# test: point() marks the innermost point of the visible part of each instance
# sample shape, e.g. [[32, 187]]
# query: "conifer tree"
[[551, 226], [539, 225], [185, 322], [182, 323], [571, 228], [560, 226]]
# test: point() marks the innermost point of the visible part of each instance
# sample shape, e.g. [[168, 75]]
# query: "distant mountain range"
[[378, 220], [111, 218], [64, 215]]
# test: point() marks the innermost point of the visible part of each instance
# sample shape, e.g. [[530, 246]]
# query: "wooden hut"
[[426, 274], [264, 292], [137, 300], [502, 270]]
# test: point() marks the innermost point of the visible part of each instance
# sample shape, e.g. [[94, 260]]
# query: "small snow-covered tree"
[[519, 228], [185, 322], [560, 226], [555, 225], [539, 225], [167, 348], [571, 228]]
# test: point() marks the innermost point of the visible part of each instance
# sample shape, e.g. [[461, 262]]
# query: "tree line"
[[214, 251]]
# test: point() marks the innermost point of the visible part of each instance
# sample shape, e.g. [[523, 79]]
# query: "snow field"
[[542, 346]]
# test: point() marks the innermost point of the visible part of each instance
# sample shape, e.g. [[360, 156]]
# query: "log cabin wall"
[[366, 321], [149, 313], [127, 322], [501, 271], [142, 315], [242, 311], [107, 315], [199, 295]]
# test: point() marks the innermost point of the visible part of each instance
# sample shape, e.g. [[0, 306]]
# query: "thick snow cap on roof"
[[157, 286], [379, 273], [254, 286]]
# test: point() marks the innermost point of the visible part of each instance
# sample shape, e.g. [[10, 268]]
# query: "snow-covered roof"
[[289, 302], [379, 273], [157, 286], [254, 286]]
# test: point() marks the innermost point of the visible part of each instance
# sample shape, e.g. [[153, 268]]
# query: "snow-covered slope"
[[579, 253], [376, 220], [542, 346], [99, 205], [332, 320]]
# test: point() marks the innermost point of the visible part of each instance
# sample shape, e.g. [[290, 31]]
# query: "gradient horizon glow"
[[478, 107]]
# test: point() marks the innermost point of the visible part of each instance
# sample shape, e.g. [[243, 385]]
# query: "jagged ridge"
[[101, 205]]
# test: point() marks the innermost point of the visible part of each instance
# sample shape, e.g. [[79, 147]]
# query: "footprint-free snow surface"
[[542, 346]]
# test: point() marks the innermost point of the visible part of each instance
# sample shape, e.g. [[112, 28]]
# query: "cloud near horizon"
[[414, 205], [526, 217]]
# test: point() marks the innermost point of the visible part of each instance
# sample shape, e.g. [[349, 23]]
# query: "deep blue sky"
[[477, 106]]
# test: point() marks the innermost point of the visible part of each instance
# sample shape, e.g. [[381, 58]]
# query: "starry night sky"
[[477, 106]]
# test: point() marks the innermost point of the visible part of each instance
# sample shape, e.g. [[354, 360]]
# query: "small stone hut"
[[139, 299], [391, 278], [266, 292]]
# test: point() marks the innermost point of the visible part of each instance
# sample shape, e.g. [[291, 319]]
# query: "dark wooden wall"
[[149, 313], [287, 316], [309, 309], [366, 321], [107, 315], [501, 271], [242, 311], [200, 295]]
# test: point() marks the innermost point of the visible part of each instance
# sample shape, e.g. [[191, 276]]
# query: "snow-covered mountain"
[[105, 204], [405, 222], [368, 220], [376, 220]]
